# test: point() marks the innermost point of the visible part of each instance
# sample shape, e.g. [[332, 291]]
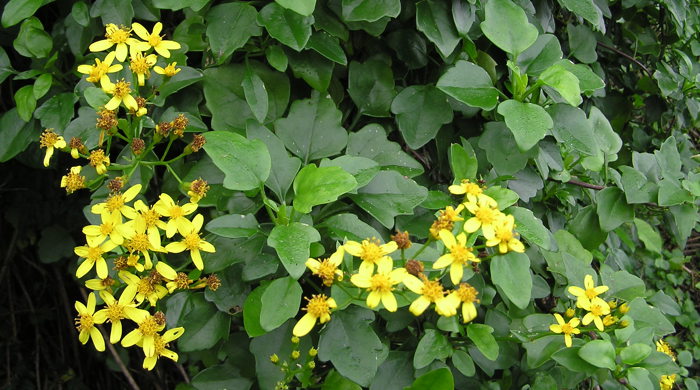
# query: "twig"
[[586, 185], [629, 57], [183, 372]]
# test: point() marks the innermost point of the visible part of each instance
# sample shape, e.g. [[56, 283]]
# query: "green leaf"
[[26, 102], [463, 363], [440, 379], [389, 194], [623, 285], [545, 52], [255, 94], [348, 226], [541, 349], [635, 353], [276, 58], [314, 186], [32, 40], [469, 84], [221, 376], [204, 324], [245, 163], [464, 164], [81, 13], [588, 80], [612, 208], [229, 26], [371, 87], [638, 377], [671, 193], [506, 25], [669, 159], [564, 82], [280, 302], [432, 346], [251, 312], [650, 237], [511, 273], [481, 336], [350, 343], [585, 9], [16, 11], [302, 7], [569, 358], [531, 227], [582, 43], [55, 244], [528, 122], [292, 242], [328, 46], [42, 85], [434, 19], [284, 168], [57, 111], [369, 10], [277, 342], [503, 196], [335, 381], [646, 316], [586, 228], [312, 129], [5, 65], [638, 189], [499, 143], [572, 128], [420, 111], [599, 353], [233, 225], [232, 293], [286, 26], [608, 140], [113, 11], [313, 68], [371, 142], [95, 97], [361, 168]]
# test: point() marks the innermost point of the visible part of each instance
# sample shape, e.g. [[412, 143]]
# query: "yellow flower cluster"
[[598, 311], [129, 232]]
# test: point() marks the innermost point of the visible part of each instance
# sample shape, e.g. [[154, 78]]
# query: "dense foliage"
[[392, 194]]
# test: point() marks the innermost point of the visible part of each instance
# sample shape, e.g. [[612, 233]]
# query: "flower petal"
[[389, 301], [304, 326]]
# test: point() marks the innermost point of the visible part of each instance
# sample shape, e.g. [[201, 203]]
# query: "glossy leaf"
[[511, 273], [480, 335], [420, 111], [279, 302], [314, 186], [432, 346], [528, 122], [434, 19], [286, 26], [245, 163], [229, 26], [506, 25], [292, 242], [469, 84]]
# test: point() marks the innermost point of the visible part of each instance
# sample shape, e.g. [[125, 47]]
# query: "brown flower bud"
[[402, 239], [414, 267], [213, 282], [137, 146]]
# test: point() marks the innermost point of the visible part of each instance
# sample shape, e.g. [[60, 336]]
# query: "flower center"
[[371, 251], [48, 138], [590, 293], [176, 212], [94, 253], [122, 88], [596, 310], [132, 260], [74, 182], [145, 286], [84, 322], [117, 34], [115, 202], [472, 188], [158, 344], [432, 290], [485, 215], [380, 283], [139, 243], [106, 228], [154, 40], [326, 270], [318, 306], [150, 217], [567, 329], [97, 157], [461, 254], [504, 233], [192, 240], [139, 64], [467, 293], [149, 326], [115, 312]]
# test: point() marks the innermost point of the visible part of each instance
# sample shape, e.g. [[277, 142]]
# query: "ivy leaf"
[[440, 379], [292, 242], [506, 25], [463, 163], [342, 226], [635, 353], [229, 26], [531, 227], [205, 324], [371, 142], [599, 353], [648, 235], [564, 82], [284, 168], [434, 19], [587, 10], [286, 26], [245, 163], [16, 11], [371, 87], [312, 129], [613, 209], [420, 111], [470, 84], [349, 342], [25, 102], [314, 186], [220, 376], [389, 194], [481, 335], [499, 143], [528, 122], [511, 273], [545, 52], [314, 68], [328, 46], [233, 225], [279, 302], [302, 7], [572, 128], [432, 346], [369, 10]]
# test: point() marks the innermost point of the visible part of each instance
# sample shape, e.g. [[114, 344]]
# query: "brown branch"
[[629, 57], [586, 185]]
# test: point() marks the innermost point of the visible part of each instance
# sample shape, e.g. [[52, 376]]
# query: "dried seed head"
[[402, 239], [137, 146], [415, 267]]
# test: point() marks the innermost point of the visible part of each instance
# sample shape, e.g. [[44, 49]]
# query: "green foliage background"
[[356, 115]]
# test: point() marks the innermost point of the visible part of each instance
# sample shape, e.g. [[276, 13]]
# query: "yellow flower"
[[471, 190], [111, 227], [121, 93], [371, 253], [662, 346], [451, 214], [148, 220], [85, 323], [169, 71], [93, 257], [667, 381], [466, 295], [318, 309], [99, 161], [570, 312], [96, 73], [327, 269], [193, 242], [587, 293], [138, 241], [116, 203], [100, 284], [177, 222], [50, 140], [459, 255], [596, 309], [154, 40], [145, 334], [73, 180], [141, 66], [380, 286], [198, 190], [430, 291], [118, 310], [567, 328], [146, 288], [160, 346], [115, 35], [503, 236], [486, 215]]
